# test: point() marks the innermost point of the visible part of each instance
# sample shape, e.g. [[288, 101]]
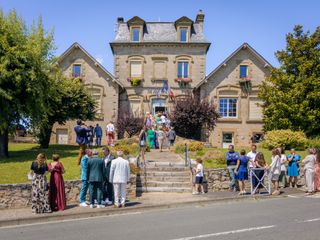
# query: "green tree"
[[66, 99], [291, 93], [25, 55]]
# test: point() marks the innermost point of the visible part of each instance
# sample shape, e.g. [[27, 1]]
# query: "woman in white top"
[[283, 169], [309, 164], [275, 170]]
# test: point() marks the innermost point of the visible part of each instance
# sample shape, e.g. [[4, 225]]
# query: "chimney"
[[200, 18], [120, 20]]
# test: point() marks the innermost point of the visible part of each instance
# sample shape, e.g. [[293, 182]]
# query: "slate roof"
[[160, 32]]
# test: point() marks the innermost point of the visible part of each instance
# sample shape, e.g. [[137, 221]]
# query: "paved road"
[[291, 218]]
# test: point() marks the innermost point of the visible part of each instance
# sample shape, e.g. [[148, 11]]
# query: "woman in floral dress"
[[39, 201]]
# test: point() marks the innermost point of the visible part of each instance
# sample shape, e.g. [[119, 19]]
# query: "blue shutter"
[[180, 70]]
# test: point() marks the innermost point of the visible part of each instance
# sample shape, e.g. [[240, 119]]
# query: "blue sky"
[[228, 23]]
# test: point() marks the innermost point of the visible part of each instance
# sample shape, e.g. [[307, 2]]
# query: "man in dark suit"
[[81, 132], [108, 187], [95, 177]]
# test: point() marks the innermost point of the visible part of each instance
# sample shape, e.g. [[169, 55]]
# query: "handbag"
[[276, 171], [30, 175]]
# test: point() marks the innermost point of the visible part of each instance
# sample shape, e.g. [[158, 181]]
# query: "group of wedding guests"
[[156, 133], [47, 198], [283, 170], [105, 177]]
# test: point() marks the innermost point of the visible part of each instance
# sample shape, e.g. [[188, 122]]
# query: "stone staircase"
[[165, 172]]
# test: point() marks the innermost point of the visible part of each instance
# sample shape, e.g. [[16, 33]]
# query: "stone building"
[[76, 62], [156, 63], [233, 87], [152, 59]]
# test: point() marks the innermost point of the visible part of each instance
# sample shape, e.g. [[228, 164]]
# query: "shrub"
[[314, 142], [192, 145], [216, 155], [195, 146], [128, 149], [191, 115], [179, 148], [285, 138], [128, 123]]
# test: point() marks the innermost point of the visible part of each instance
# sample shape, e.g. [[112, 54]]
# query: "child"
[[199, 178], [241, 171]]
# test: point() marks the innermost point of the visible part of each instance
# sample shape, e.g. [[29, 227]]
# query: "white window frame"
[[228, 107], [183, 69]]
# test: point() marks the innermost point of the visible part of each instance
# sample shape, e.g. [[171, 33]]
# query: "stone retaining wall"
[[19, 195], [218, 179]]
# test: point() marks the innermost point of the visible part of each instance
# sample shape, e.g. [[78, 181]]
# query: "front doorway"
[[227, 139], [158, 105]]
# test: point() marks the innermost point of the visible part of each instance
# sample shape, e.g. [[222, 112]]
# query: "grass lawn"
[[15, 168], [214, 164]]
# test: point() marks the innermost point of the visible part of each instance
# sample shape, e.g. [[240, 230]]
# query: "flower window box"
[[135, 81], [184, 80]]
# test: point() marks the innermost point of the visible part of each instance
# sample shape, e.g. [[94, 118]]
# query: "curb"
[[61, 216]]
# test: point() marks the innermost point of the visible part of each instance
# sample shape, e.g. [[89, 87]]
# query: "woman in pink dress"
[[317, 173], [57, 196]]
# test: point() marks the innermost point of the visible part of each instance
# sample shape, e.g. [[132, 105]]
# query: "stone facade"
[[154, 60], [154, 66], [99, 82], [225, 84], [19, 195]]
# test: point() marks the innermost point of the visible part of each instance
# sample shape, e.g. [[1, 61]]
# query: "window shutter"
[[136, 69]]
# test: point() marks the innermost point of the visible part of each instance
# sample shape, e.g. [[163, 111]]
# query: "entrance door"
[[158, 105], [62, 136], [227, 139]]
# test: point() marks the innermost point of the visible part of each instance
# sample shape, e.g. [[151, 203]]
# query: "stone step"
[[166, 178], [166, 164], [167, 174], [167, 169], [164, 189], [165, 184]]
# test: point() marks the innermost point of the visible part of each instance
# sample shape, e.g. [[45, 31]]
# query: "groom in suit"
[[107, 186], [119, 176], [95, 177]]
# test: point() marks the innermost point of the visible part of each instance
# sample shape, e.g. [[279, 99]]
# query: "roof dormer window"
[[135, 34], [184, 34]]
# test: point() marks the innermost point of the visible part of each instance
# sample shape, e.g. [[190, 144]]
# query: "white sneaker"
[[83, 204], [195, 193], [101, 206], [109, 202], [91, 205], [95, 201], [103, 202]]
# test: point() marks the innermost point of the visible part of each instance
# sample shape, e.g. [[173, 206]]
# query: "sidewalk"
[[149, 201]]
